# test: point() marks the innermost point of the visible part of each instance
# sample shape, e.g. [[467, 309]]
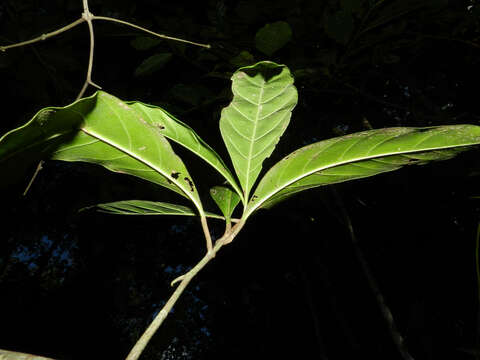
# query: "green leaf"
[[358, 156], [152, 64], [263, 99], [144, 207], [226, 199], [181, 133], [272, 37], [102, 130]]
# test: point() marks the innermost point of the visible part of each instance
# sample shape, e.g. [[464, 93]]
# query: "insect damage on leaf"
[[190, 183], [175, 174]]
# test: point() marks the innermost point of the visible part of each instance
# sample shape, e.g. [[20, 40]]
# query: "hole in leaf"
[[190, 183]]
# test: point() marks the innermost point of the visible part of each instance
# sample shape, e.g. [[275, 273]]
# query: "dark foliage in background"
[[290, 285]]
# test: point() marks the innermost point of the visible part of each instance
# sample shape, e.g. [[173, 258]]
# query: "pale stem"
[[44, 36], [37, 170], [185, 279], [150, 32], [88, 16], [206, 232]]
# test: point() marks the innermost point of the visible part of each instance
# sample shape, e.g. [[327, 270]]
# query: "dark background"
[[85, 285]]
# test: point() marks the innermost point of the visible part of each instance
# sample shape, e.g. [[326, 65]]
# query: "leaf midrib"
[[254, 134], [262, 200], [146, 163]]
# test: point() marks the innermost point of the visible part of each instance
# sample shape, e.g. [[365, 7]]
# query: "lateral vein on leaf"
[[354, 143], [70, 147], [239, 133], [384, 141], [242, 114], [315, 156], [251, 81], [269, 195], [275, 127], [240, 95], [278, 94], [426, 137], [121, 121], [148, 164], [283, 108], [235, 147]]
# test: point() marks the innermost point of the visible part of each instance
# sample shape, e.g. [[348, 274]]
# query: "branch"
[[184, 281], [206, 233], [150, 32], [88, 17], [44, 36]]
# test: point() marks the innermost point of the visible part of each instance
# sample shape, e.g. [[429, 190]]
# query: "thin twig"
[[44, 36], [37, 170], [206, 233], [87, 15], [149, 31], [185, 279]]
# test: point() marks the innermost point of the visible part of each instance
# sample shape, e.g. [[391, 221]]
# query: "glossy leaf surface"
[[181, 133], [226, 199], [358, 156], [103, 130], [251, 126], [144, 207]]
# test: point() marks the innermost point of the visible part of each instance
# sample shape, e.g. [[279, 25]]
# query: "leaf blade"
[[357, 156], [104, 130], [145, 207], [184, 135], [263, 99], [226, 199]]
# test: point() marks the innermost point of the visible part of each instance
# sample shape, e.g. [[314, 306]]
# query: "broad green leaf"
[[12, 355], [102, 130], [226, 199], [358, 156], [272, 37], [144, 207], [263, 99], [152, 64], [184, 135]]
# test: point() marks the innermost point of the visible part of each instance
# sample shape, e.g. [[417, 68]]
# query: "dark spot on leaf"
[[169, 181], [160, 126], [189, 183], [175, 174], [254, 197]]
